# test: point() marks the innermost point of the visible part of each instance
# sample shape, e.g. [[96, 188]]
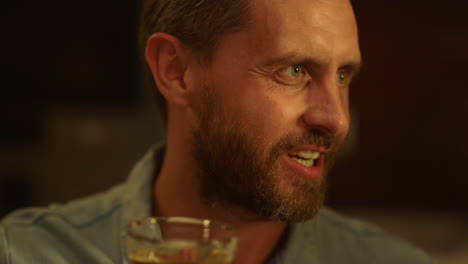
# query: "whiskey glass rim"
[[205, 223]]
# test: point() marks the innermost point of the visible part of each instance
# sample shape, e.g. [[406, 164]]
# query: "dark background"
[[74, 116], [410, 108]]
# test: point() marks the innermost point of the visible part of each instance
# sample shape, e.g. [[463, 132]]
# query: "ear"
[[167, 56]]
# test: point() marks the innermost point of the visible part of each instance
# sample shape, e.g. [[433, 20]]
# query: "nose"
[[328, 108]]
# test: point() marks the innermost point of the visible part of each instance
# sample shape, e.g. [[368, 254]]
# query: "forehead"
[[318, 28], [273, 16]]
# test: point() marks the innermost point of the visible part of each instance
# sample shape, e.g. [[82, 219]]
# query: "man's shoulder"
[[89, 222], [359, 241], [77, 212], [338, 223]]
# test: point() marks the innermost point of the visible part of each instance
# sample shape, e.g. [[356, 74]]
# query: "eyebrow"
[[353, 67], [292, 58]]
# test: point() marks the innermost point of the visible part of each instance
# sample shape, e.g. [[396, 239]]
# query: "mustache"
[[316, 137], [320, 138]]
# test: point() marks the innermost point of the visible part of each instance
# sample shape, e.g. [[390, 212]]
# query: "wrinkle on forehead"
[[312, 13], [335, 2], [323, 22]]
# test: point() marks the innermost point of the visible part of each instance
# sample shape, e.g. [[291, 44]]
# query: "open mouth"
[[305, 158]]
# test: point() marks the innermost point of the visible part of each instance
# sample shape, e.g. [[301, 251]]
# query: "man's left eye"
[[291, 75]]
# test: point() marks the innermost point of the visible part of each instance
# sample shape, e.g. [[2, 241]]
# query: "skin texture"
[[282, 79]]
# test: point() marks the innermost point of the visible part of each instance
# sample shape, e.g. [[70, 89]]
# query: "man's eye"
[[291, 75], [342, 78]]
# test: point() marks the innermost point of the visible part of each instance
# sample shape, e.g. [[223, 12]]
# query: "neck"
[[176, 193]]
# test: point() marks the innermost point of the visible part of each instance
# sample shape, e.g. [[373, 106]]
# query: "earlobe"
[[166, 57]]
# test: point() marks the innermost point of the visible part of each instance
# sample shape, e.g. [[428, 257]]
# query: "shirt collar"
[[137, 204], [299, 245], [138, 192]]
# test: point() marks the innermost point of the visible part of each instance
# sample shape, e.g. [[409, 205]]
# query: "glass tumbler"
[[179, 240]]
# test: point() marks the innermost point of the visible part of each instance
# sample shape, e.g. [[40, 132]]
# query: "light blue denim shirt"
[[89, 230]]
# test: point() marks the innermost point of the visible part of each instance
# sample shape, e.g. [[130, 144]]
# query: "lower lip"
[[306, 172]]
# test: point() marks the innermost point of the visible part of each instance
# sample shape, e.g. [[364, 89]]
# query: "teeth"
[[308, 163], [306, 154]]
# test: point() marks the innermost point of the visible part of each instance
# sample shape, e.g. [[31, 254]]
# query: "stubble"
[[238, 170]]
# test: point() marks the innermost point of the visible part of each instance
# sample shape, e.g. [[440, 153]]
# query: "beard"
[[239, 170]]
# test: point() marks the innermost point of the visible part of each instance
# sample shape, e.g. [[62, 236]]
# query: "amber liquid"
[[180, 252]]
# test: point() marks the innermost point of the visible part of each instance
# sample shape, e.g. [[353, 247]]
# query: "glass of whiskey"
[[179, 240]]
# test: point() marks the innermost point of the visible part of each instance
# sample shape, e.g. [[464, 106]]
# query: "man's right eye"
[[292, 75]]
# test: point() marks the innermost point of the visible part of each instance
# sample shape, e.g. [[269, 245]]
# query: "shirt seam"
[[39, 219], [91, 221], [101, 216]]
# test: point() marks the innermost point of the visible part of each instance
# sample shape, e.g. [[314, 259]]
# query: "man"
[[255, 95]]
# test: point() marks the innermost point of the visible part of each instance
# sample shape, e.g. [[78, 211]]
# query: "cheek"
[[266, 111], [269, 116]]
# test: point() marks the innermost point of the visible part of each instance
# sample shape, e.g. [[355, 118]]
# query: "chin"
[[292, 198]]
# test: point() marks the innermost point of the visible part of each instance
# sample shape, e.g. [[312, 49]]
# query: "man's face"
[[273, 108]]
